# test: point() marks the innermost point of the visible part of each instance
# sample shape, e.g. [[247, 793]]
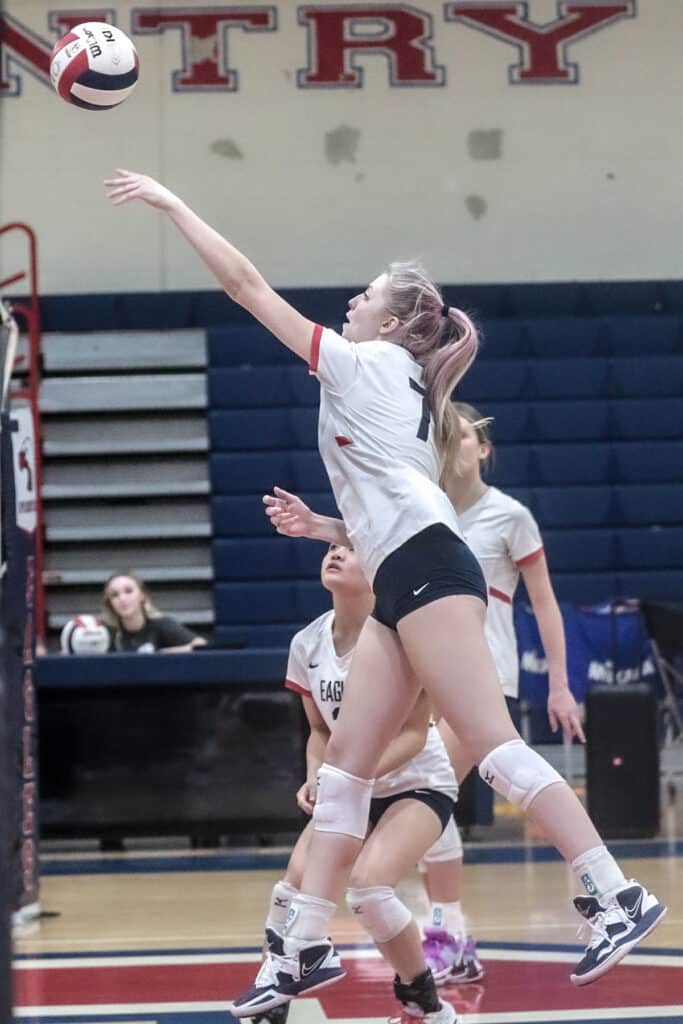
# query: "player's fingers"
[[552, 718], [578, 728], [281, 493]]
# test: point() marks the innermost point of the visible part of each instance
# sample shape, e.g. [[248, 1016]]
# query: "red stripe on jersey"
[[291, 685], [315, 348], [342, 441], [500, 595], [529, 558], [72, 72]]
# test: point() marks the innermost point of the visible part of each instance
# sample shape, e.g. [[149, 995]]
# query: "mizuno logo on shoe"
[[308, 969], [420, 589]]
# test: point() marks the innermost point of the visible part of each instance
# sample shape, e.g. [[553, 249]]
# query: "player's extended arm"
[[410, 740], [315, 755], [562, 708], [293, 518], [233, 271]]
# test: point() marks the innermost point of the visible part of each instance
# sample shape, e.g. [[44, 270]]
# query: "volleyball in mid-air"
[[94, 66], [86, 634]]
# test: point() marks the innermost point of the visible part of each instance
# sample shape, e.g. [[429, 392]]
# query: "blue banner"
[[605, 644]]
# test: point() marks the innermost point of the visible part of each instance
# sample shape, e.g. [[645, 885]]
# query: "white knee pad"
[[517, 772], [447, 847], [343, 802], [379, 910]]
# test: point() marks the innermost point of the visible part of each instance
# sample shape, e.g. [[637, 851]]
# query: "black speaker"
[[622, 760]]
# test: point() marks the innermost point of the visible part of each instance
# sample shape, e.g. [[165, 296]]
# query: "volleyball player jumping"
[[384, 428]]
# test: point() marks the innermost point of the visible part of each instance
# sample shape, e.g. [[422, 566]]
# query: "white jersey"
[[376, 439], [503, 535], [315, 670]]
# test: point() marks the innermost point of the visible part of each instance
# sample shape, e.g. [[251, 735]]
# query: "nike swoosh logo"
[[308, 969], [420, 589], [313, 666], [632, 911]]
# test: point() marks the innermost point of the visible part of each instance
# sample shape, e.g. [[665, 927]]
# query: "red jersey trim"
[[500, 595], [291, 685], [530, 558], [315, 349]]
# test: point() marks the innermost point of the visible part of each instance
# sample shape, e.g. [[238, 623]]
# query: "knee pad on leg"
[[343, 802], [447, 847], [517, 772], [379, 910]]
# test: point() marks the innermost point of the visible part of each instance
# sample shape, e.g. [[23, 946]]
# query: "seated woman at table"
[[137, 625]]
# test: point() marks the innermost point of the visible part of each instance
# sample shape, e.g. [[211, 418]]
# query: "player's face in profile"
[[340, 571], [366, 312], [124, 595], [471, 452]]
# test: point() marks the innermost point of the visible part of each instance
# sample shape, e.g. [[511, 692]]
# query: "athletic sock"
[[450, 917], [598, 872], [308, 918], [280, 899]]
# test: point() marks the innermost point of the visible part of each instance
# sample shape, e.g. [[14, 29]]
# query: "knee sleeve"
[[379, 910], [517, 772], [447, 847], [343, 802]]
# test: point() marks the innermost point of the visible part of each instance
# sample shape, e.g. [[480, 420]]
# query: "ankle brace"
[[421, 992]]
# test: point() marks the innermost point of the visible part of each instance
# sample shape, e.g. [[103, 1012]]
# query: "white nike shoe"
[[614, 929], [284, 976], [444, 1015]]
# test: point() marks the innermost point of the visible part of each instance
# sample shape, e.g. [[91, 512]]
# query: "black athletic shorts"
[[439, 802], [434, 563]]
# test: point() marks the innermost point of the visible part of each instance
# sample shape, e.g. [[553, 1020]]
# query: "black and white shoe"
[[421, 1002], [286, 974], [614, 928], [278, 1015]]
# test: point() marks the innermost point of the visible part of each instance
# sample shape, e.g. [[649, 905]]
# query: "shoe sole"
[[455, 979], [618, 954], [442, 978], [281, 999]]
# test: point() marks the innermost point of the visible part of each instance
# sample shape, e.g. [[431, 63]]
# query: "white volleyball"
[[94, 66], [86, 634]]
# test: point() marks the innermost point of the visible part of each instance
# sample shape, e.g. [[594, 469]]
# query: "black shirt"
[[154, 635]]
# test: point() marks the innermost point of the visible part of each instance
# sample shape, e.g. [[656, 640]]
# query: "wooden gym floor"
[[167, 937]]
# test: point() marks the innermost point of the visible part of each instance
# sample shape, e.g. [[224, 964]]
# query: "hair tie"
[[445, 310]]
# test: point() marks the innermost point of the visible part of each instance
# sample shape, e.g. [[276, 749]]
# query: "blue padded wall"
[[588, 425]]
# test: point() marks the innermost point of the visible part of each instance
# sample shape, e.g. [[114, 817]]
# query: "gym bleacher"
[[588, 427], [584, 381]]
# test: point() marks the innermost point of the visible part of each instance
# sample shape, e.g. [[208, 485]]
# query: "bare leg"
[[448, 634], [458, 753], [380, 692], [443, 880], [402, 835]]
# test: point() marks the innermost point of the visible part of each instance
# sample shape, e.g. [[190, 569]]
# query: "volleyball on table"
[[94, 66], [86, 634]]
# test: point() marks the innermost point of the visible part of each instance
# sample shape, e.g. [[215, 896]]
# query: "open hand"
[[289, 514], [123, 186]]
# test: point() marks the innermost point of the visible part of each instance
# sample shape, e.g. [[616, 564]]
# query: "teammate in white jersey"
[[385, 430], [504, 536], [412, 799]]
